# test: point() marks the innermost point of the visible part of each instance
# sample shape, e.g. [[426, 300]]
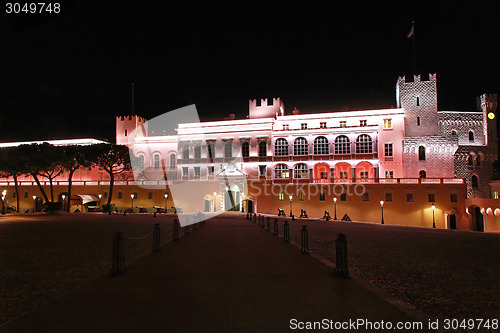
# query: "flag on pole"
[[412, 30]]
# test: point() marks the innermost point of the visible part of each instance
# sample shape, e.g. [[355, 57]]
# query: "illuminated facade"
[[409, 157]]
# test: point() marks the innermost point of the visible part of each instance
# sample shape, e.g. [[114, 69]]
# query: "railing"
[[280, 181]]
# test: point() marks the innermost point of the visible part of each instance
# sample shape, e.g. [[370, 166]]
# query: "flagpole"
[[414, 51]]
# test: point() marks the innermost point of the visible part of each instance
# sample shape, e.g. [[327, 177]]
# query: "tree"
[[114, 159], [12, 165], [74, 157]]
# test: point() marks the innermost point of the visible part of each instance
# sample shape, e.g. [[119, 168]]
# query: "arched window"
[[228, 149], [156, 161], [281, 147], [342, 145], [454, 133], [262, 149], [421, 153], [422, 174], [300, 147], [478, 160], [173, 161], [321, 146], [281, 171], [300, 171], [471, 136], [475, 181], [418, 121], [364, 144], [141, 162], [470, 160], [245, 149]]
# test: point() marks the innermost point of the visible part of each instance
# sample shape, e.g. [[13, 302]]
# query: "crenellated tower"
[[419, 100], [266, 108], [130, 127]]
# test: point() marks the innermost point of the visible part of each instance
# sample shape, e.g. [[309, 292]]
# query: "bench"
[[142, 209], [159, 209], [303, 213], [281, 212]]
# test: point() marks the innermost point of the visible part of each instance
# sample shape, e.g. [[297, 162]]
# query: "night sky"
[[69, 74]]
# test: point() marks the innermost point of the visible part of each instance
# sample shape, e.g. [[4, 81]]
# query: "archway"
[[321, 172], [232, 198], [364, 170], [476, 218], [342, 171], [209, 203]]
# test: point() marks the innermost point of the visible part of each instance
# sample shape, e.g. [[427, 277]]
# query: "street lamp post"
[[34, 203], [215, 202], [382, 209], [335, 211], [165, 206], [63, 203], [433, 218], [4, 193], [100, 197], [290, 205], [132, 196]]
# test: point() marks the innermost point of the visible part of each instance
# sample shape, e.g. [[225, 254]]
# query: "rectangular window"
[[495, 195], [365, 197], [303, 126], [322, 125], [120, 195], [362, 123], [262, 149], [322, 197], [409, 197], [262, 170], [388, 197], [387, 123], [389, 174], [286, 127], [388, 149], [431, 197], [343, 124], [150, 195], [185, 172], [343, 174], [197, 152], [301, 196], [105, 196], [210, 171], [185, 152], [323, 175], [211, 149], [281, 196], [453, 197], [197, 172], [343, 197], [363, 174], [25, 195]]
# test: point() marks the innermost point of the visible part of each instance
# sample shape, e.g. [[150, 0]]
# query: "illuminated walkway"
[[228, 276]]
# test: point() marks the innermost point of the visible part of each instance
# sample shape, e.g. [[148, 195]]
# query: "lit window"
[[387, 123], [321, 146], [300, 147], [495, 194], [389, 174], [301, 196], [300, 171], [342, 145], [281, 147], [281, 171], [281, 196], [364, 144]]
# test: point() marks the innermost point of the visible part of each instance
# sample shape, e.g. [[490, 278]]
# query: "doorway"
[[232, 198], [452, 223]]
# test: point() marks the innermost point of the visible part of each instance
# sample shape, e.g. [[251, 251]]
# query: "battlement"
[[131, 118], [130, 127], [487, 102], [416, 78], [265, 108]]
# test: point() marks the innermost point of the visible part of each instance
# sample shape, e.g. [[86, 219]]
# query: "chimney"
[[295, 111]]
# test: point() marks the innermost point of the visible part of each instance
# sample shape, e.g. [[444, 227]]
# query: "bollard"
[[262, 223], [304, 233], [276, 230], [293, 217], [254, 217], [156, 238], [186, 230], [124, 213], [268, 224], [154, 214], [247, 216], [341, 265], [118, 257], [175, 234], [286, 232]]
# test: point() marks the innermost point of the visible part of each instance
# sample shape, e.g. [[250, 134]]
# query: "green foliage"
[[106, 208], [51, 207]]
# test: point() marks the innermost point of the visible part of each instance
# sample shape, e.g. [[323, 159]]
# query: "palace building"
[[412, 164]]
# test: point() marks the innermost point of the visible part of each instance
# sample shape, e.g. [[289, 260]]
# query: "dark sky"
[[68, 75]]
